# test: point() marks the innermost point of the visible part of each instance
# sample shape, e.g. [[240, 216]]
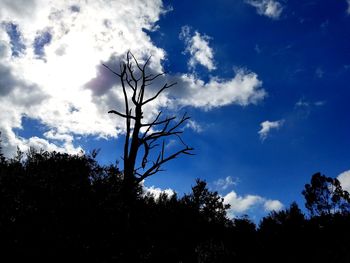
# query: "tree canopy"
[[325, 195], [56, 207]]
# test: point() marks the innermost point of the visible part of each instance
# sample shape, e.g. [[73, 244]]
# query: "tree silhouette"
[[134, 80], [2, 158], [209, 204], [55, 206], [324, 195]]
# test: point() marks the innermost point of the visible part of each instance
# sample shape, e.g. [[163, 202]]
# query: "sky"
[[264, 81]]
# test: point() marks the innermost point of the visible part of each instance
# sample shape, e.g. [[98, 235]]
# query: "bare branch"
[[137, 63], [154, 123], [165, 132], [151, 77], [145, 156], [166, 86], [128, 113], [111, 70], [121, 114], [129, 82], [183, 143], [134, 78], [150, 126], [183, 119], [144, 66], [160, 161]]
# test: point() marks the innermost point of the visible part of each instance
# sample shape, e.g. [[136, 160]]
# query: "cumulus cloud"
[[40, 143], [242, 204], [224, 183], [267, 126], [243, 89], [273, 205], [57, 78], [73, 41], [270, 8], [10, 9], [156, 191], [344, 179], [197, 46]]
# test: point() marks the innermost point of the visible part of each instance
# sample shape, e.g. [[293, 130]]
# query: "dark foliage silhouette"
[[2, 158], [287, 236], [60, 208], [54, 205], [209, 204], [324, 195]]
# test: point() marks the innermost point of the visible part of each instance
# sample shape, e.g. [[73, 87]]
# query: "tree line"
[[56, 207]]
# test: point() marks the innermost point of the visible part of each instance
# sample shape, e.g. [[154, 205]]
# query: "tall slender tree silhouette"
[[2, 158], [141, 138]]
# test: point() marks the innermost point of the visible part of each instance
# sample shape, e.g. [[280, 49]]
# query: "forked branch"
[[133, 76]]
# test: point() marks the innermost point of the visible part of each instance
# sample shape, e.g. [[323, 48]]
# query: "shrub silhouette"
[[54, 205], [58, 207]]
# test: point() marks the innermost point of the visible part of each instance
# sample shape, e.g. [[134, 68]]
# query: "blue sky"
[[265, 83]]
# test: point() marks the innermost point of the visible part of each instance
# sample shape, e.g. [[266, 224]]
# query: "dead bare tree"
[[141, 138]]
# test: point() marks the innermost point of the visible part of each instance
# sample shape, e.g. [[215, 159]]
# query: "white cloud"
[[344, 179], [156, 191], [65, 88], [195, 126], [242, 204], [319, 103], [302, 103], [11, 8], [242, 89], [267, 126], [52, 90], [273, 205], [348, 10], [197, 46], [224, 183], [171, 143], [40, 143], [270, 8]]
